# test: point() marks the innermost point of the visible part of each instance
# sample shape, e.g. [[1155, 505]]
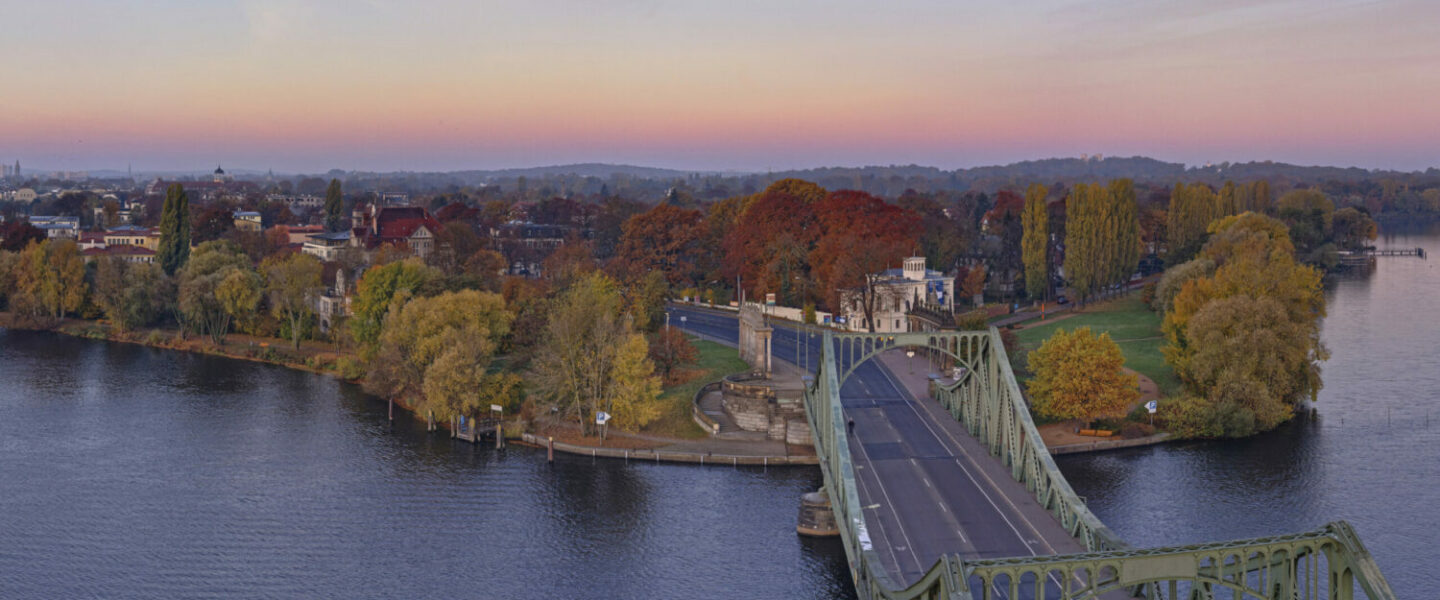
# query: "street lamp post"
[[910, 353]]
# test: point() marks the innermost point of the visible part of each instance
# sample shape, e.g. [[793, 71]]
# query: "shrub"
[[349, 368]]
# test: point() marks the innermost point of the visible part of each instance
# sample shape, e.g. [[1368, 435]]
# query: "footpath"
[[729, 446]]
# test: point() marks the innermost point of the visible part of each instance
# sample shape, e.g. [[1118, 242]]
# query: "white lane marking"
[[899, 524], [926, 422]]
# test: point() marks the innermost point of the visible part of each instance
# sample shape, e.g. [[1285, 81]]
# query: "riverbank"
[[675, 437], [314, 357]]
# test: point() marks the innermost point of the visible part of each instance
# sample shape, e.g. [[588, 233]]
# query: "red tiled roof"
[[119, 250]]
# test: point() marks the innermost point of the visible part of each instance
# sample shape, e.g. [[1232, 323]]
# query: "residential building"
[[894, 293], [132, 254], [297, 203], [57, 227], [299, 234], [91, 239], [326, 246], [408, 226], [248, 220], [133, 235]]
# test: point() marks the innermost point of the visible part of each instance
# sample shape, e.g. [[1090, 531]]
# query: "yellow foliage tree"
[[1079, 375]]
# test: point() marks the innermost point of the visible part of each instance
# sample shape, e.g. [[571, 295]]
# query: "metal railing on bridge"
[[1327, 563]]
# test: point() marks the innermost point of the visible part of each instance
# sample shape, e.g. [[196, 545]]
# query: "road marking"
[[891, 505], [924, 420]]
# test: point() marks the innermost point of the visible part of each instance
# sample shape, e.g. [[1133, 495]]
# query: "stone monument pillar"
[[755, 339]]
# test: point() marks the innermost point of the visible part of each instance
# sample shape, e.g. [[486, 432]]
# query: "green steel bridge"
[[1329, 563]]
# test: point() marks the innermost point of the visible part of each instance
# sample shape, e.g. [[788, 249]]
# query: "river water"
[[1368, 453], [130, 472]]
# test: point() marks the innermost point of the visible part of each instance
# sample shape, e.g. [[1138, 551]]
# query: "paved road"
[[927, 486]]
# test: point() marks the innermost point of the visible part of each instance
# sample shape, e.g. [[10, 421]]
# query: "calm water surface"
[[1369, 453], [131, 472], [136, 473]]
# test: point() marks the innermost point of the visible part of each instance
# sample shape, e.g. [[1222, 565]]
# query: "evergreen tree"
[[334, 206], [1036, 241], [174, 230]]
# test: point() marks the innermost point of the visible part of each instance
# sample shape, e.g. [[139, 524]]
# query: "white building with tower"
[[893, 293]]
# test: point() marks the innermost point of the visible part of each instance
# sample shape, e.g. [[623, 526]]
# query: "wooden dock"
[[1420, 252], [1360, 258], [473, 431]]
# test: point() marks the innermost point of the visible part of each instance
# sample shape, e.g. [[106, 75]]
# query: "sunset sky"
[[440, 85]]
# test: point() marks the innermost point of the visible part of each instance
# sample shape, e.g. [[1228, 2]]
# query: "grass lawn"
[[716, 361], [1133, 327]]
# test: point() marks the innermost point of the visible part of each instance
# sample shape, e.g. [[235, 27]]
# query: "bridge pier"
[[817, 518]]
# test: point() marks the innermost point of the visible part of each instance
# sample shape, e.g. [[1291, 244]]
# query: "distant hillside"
[[601, 170]]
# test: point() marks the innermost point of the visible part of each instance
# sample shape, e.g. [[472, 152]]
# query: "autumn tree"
[[216, 286], [292, 284], [436, 351], [1006, 221], [132, 295], [334, 207], [16, 235], [174, 248], [1079, 375], [382, 289], [972, 285], [212, 223], [1123, 220], [1245, 340], [670, 348], [665, 239], [49, 280], [1036, 241], [945, 234], [587, 359], [1085, 239], [771, 242], [862, 235], [1353, 229]]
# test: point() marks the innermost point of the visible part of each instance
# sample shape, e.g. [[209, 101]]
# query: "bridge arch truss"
[[1327, 563]]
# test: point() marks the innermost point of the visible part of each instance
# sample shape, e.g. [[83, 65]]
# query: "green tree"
[[1079, 375], [292, 284], [1036, 242], [174, 230], [378, 289], [334, 207], [201, 303]]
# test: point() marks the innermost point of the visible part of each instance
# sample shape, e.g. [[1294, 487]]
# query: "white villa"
[[897, 292]]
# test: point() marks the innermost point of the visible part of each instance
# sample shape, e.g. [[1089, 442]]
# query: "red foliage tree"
[[664, 238], [772, 237], [863, 235]]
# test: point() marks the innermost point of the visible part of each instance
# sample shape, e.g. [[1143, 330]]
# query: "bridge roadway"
[[927, 487]]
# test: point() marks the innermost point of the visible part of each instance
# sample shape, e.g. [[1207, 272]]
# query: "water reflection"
[[133, 472], [1365, 453]]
